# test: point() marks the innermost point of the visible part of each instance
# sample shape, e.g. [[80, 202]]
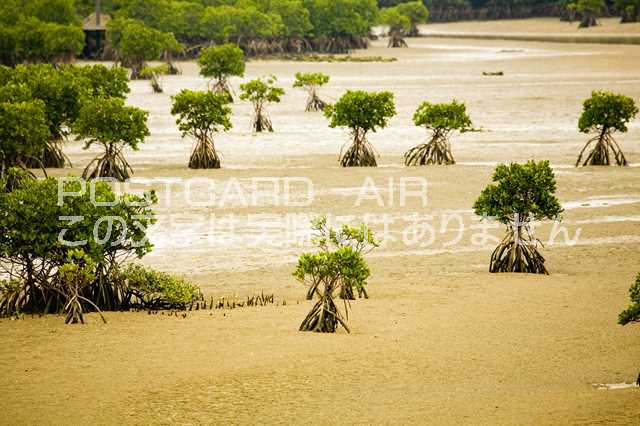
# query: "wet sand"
[[440, 340]]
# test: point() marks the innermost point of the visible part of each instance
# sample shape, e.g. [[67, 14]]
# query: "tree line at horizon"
[[50, 30]]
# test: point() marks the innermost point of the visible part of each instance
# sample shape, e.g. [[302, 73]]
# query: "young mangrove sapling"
[[329, 272], [604, 113], [260, 92], [311, 81], [440, 120], [219, 63]]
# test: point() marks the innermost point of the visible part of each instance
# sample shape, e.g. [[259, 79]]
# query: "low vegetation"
[[64, 256], [605, 113], [362, 112], [312, 57], [146, 288], [440, 120], [522, 193]]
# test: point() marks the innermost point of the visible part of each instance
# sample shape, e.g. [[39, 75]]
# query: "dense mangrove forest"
[[52, 30]]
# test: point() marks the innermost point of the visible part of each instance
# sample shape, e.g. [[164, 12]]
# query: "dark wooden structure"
[[95, 30]]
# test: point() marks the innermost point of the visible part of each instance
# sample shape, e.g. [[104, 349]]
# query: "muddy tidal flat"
[[440, 341]]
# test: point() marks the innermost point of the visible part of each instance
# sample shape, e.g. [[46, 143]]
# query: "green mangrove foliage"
[[416, 12], [403, 20], [259, 26], [100, 81], [629, 10], [112, 125], [311, 81], [24, 131], [37, 31], [334, 271], [399, 26], [260, 92], [440, 120], [134, 43], [47, 224], [200, 115], [605, 113], [521, 193], [60, 91], [362, 112], [590, 10], [219, 63]]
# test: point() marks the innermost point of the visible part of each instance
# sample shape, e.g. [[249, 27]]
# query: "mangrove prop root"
[[324, 317], [359, 154], [261, 121], [111, 164], [222, 87], [362, 292], [155, 85], [346, 293], [396, 40], [436, 151], [604, 152], [51, 156], [314, 103], [204, 155], [518, 252]]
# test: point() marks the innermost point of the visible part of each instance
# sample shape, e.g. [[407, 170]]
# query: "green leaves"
[[33, 40], [632, 313], [607, 111], [150, 72], [362, 111], [159, 288], [201, 113], [397, 22], [415, 11], [24, 131], [109, 121], [527, 190], [31, 224], [261, 90], [342, 17], [444, 116], [101, 81], [221, 61], [135, 43], [310, 80], [340, 260], [589, 6]]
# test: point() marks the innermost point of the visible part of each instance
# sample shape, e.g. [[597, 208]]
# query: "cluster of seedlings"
[[333, 272]]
